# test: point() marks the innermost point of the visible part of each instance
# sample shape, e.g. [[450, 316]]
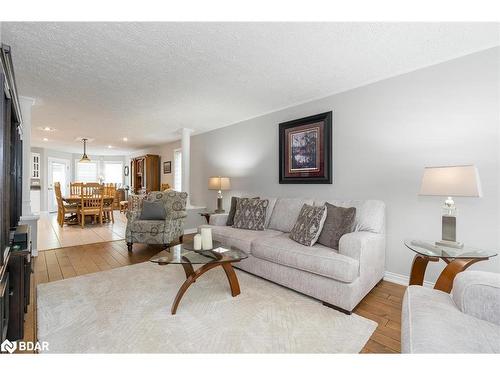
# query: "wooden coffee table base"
[[192, 275], [445, 279]]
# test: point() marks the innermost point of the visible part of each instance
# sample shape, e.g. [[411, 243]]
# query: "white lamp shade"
[[219, 183], [451, 181]]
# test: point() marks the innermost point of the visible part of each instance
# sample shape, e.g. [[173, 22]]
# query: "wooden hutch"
[[145, 173]]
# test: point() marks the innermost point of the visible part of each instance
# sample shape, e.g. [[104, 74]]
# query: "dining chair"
[[75, 188], [108, 206], [91, 202], [62, 208]]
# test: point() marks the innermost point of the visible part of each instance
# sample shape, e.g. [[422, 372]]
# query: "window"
[[113, 172], [178, 170], [86, 172]]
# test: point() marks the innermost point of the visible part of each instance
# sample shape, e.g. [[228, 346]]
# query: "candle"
[[177, 254], [197, 242], [206, 238]]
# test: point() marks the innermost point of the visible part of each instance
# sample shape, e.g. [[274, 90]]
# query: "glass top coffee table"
[[184, 254], [457, 261]]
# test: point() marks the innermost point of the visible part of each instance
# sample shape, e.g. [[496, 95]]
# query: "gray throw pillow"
[[339, 221], [250, 213], [153, 211], [308, 225], [232, 211]]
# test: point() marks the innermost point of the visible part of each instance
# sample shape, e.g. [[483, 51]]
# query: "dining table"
[[77, 199]]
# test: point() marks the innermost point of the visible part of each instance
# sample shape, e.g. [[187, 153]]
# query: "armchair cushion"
[[477, 293], [153, 211], [148, 226]]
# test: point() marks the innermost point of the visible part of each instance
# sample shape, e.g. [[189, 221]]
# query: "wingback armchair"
[[156, 231]]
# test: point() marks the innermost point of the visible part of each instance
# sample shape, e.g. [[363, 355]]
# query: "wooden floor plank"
[[382, 304], [53, 268]]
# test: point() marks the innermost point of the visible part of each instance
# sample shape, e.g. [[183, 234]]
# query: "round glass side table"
[[457, 261]]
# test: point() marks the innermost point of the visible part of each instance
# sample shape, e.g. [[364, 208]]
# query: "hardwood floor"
[[382, 304]]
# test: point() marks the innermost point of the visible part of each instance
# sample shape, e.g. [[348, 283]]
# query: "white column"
[[186, 152], [27, 215]]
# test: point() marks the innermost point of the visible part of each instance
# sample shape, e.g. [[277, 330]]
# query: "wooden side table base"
[[445, 279], [192, 275]]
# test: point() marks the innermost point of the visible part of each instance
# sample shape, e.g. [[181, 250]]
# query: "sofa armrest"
[[218, 219], [477, 293], [354, 244]]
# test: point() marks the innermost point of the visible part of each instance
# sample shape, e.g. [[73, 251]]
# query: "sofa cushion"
[[269, 210], [240, 238], [317, 259], [285, 213], [370, 214], [250, 213], [308, 225], [339, 221], [431, 323]]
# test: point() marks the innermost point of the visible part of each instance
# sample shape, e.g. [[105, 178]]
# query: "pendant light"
[[85, 158]]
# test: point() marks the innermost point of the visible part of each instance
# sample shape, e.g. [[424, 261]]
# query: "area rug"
[[127, 310]]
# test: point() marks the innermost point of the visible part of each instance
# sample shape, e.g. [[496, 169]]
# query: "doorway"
[[58, 171]]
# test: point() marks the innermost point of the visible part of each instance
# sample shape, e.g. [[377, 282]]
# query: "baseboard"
[[191, 231], [403, 279]]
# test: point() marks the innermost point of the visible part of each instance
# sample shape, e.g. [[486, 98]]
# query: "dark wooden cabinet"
[[19, 269], [145, 173], [4, 303]]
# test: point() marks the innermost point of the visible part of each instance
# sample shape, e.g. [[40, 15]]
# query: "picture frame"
[[167, 167], [125, 171], [305, 150]]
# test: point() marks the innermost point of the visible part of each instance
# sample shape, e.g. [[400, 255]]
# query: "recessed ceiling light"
[[125, 139], [45, 139], [46, 128], [109, 146]]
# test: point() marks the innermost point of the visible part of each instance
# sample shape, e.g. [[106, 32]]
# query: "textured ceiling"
[[144, 81]]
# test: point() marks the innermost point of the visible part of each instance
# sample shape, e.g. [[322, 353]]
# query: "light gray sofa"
[[465, 321], [338, 278]]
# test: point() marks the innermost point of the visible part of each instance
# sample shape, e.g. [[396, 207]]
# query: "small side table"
[[206, 215], [457, 260]]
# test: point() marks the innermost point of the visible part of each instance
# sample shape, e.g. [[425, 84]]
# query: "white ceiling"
[[145, 81]]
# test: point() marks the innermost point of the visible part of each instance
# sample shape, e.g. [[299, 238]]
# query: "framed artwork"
[[305, 150], [125, 170], [167, 167]]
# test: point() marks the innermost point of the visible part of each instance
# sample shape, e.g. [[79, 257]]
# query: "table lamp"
[[458, 181], [219, 183]]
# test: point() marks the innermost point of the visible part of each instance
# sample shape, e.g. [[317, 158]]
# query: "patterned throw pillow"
[[339, 221], [232, 210], [250, 213], [308, 226]]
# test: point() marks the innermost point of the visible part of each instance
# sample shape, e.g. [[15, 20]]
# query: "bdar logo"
[[8, 346]]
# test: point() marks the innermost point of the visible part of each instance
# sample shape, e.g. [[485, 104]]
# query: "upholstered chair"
[[162, 232]]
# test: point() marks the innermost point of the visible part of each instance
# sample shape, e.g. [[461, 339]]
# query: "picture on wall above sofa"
[[306, 150]]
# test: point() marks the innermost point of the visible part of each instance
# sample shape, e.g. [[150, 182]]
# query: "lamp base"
[[453, 244], [219, 209]]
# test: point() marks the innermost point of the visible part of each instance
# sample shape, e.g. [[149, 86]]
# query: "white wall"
[[384, 134], [166, 152]]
